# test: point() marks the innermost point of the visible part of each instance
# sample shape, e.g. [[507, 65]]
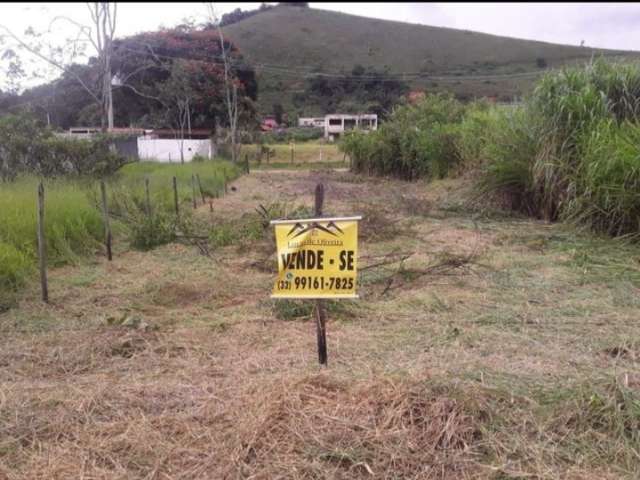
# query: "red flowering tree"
[[156, 68]]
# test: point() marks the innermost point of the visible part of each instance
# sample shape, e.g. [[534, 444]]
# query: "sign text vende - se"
[[317, 258]]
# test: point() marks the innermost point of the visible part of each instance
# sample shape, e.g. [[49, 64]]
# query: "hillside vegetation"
[[289, 41]]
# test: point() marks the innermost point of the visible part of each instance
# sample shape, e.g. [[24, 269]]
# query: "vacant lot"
[[482, 347], [280, 155]]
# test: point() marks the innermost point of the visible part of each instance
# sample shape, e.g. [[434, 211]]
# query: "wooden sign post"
[[147, 196], [320, 310], [317, 259], [105, 216], [175, 196], [42, 245], [193, 191]]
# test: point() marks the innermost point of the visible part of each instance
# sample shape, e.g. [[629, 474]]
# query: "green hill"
[[287, 43]]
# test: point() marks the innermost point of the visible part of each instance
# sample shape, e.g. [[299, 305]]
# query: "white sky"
[[606, 25]]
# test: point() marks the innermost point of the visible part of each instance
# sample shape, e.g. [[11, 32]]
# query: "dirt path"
[[209, 378]]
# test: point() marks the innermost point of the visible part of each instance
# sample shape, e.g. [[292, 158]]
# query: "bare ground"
[[478, 356]]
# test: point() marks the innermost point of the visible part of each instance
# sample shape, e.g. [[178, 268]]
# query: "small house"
[[337, 124]]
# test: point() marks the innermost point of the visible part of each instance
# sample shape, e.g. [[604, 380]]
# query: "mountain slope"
[[292, 41]]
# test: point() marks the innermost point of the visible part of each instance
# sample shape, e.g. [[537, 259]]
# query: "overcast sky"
[[606, 25]]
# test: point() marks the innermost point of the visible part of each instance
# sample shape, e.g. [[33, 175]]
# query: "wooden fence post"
[[42, 245], [193, 191], [200, 187], [147, 196], [105, 218], [175, 196], [320, 308]]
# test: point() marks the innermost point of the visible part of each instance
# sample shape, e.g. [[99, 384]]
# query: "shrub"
[[149, 231], [26, 146], [417, 141], [296, 134]]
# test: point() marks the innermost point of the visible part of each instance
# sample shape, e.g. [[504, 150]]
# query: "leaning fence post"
[[105, 216], [42, 245], [200, 187], [175, 196], [320, 310], [193, 191], [147, 196]]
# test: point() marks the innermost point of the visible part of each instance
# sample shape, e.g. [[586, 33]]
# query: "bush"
[[26, 146], [150, 231], [287, 135], [417, 141]]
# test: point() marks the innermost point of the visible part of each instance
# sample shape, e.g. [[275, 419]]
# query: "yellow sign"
[[317, 258]]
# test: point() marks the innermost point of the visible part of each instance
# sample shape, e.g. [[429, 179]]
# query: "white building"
[[170, 150], [336, 124]]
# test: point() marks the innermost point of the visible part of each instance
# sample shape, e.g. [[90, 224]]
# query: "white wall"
[[168, 150]]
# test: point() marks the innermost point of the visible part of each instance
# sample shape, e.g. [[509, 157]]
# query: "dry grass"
[[319, 427], [519, 362]]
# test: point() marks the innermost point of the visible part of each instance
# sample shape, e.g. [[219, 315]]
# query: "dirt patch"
[[176, 295]]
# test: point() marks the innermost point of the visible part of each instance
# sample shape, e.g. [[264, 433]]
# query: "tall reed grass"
[[570, 152], [579, 158]]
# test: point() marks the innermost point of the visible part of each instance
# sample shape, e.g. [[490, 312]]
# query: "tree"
[[278, 111], [144, 62], [361, 90], [230, 87], [100, 35], [141, 64], [236, 15]]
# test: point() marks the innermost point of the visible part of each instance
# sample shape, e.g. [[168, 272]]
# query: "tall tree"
[[230, 86]]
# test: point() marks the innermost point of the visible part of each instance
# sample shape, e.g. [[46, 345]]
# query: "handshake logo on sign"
[[300, 229]]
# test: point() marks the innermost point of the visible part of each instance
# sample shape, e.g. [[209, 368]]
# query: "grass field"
[[73, 220], [303, 154], [483, 346]]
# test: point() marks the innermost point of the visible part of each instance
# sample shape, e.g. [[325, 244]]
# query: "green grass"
[[73, 219], [73, 228], [303, 154], [213, 175]]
